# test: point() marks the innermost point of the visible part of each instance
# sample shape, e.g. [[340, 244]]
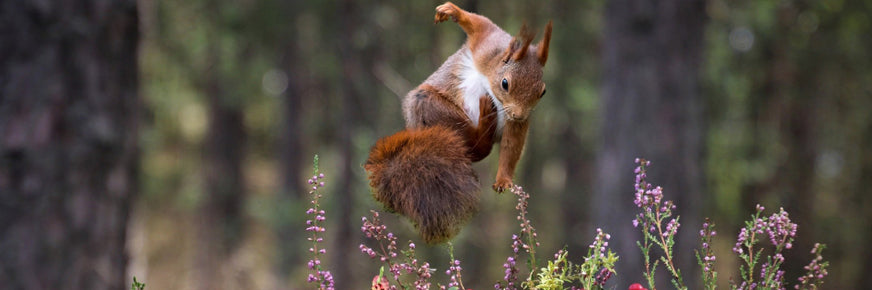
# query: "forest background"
[[171, 140]]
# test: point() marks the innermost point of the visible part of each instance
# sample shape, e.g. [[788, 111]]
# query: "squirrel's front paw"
[[502, 184], [446, 10], [488, 113]]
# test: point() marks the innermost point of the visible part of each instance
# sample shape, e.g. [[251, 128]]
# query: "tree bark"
[[68, 135], [651, 108]]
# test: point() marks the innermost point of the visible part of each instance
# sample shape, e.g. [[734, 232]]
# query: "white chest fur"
[[474, 84]]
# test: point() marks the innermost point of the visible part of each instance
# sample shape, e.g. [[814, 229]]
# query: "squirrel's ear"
[[526, 36], [542, 53], [514, 45]]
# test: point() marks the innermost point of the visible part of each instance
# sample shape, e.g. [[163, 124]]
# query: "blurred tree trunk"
[[797, 178], [291, 149], [652, 109], [349, 112], [220, 221], [291, 152], [796, 87], [571, 146], [795, 174], [292, 144], [68, 135]]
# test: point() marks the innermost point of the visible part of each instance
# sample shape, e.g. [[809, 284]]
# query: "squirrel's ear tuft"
[[526, 37], [519, 45], [542, 47], [514, 45]]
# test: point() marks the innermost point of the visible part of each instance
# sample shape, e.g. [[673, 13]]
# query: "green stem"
[[666, 250]]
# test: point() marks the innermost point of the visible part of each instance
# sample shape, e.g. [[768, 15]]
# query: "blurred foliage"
[[768, 64]]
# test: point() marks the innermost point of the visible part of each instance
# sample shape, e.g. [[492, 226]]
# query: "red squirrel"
[[482, 93]]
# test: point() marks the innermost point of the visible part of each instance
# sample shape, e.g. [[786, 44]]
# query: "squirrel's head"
[[518, 83]]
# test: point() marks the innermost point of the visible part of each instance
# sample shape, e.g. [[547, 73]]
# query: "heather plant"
[[776, 228], [781, 232], [399, 265], [599, 264], [405, 269], [317, 274], [815, 271], [453, 272], [597, 268], [525, 239], [705, 256], [760, 269], [655, 229]]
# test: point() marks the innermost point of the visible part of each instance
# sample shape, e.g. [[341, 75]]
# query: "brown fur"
[[424, 172], [431, 108], [426, 176]]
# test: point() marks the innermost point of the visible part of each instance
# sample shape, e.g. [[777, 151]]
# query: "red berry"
[[637, 286]]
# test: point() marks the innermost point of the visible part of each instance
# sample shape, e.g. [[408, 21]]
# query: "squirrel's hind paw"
[[444, 11]]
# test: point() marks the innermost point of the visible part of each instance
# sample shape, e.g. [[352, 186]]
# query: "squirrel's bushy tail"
[[427, 176]]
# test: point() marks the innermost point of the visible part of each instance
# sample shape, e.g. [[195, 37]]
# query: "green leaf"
[[137, 285]]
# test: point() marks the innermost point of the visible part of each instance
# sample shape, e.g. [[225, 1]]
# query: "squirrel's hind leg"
[[426, 107], [473, 24], [481, 139]]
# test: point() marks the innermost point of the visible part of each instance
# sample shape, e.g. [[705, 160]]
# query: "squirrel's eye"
[[543, 93], [505, 85]]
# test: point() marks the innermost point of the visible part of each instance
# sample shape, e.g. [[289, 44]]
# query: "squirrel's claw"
[[502, 184], [444, 11]]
